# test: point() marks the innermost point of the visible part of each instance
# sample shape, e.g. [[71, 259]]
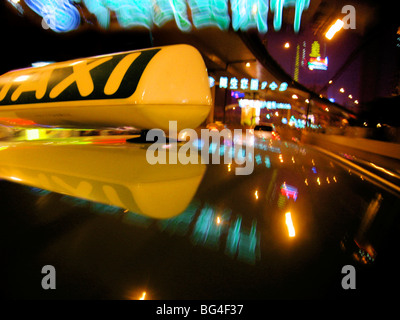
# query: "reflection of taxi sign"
[[144, 89], [289, 191], [120, 177]]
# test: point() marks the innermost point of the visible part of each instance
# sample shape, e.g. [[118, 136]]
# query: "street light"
[[287, 45], [334, 28]]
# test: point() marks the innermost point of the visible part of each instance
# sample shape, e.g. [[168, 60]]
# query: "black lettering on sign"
[[104, 77]]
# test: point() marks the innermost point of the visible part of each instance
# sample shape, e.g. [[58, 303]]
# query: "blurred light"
[[334, 28], [314, 170], [350, 96], [356, 101], [378, 125], [295, 96], [203, 14], [318, 63], [341, 90], [330, 81], [21, 78], [287, 45], [15, 179], [211, 81], [327, 109], [289, 224], [383, 169], [289, 191], [60, 16], [248, 64], [32, 134], [254, 9], [218, 220], [143, 296], [307, 101], [283, 86], [41, 63], [256, 194], [16, 4]]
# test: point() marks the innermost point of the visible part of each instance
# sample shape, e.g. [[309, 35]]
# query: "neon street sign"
[[316, 62], [245, 14], [260, 104], [252, 85]]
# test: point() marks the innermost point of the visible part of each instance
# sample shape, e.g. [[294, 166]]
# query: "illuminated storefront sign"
[[259, 104], [237, 94], [316, 62], [211, 81], [251, 109], [253, 84], [289, 191], [277, 105], [245, 14]]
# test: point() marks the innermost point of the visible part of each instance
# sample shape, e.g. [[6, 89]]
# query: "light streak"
[[337, 26], [289, 224]]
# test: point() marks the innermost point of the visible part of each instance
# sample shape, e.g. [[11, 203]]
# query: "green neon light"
[[277, 8], [246, 14], [210, 13], [169, 10]]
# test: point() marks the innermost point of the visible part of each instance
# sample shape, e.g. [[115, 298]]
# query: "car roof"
[[228, 237]]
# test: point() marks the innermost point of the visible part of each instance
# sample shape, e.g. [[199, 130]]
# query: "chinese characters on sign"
[[253, 84]]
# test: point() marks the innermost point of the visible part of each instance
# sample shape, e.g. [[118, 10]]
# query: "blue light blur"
[[60, 16]]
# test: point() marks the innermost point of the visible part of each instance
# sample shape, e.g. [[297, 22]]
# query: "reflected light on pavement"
[[289, 224]]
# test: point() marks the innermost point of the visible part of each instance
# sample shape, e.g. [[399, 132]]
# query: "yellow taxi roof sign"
[[144, 88]]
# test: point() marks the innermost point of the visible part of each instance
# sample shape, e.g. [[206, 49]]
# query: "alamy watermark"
[[236, 147], [350, 18], [349, 280], [49, 280]]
